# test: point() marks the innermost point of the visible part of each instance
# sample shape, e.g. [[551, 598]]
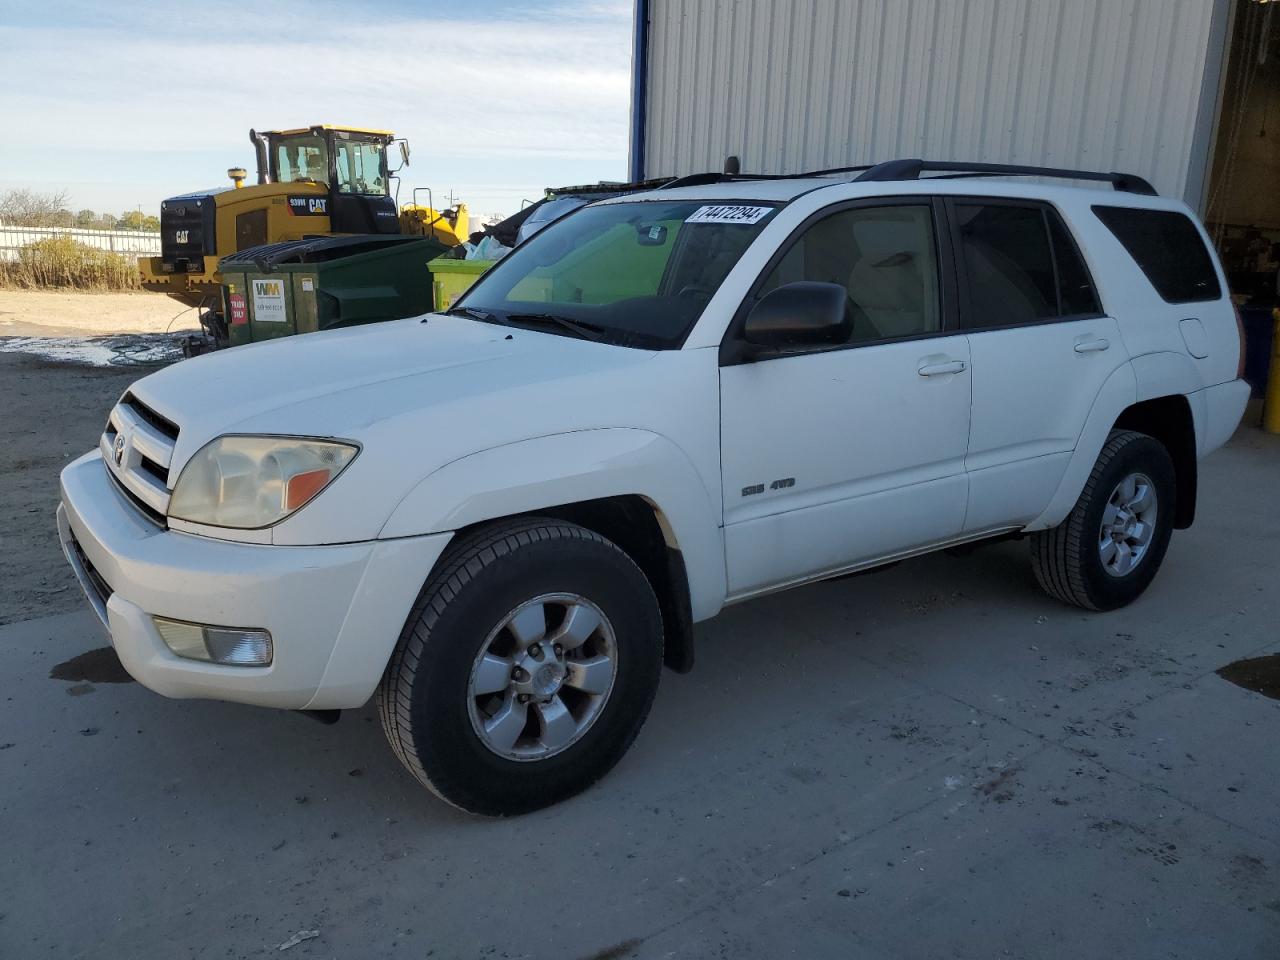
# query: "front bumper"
[[334, 612], [193, 289]]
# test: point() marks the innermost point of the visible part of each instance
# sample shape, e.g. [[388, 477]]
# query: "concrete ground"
[[931, 762]]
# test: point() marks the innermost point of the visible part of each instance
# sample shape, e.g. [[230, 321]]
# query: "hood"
[[335, 382]]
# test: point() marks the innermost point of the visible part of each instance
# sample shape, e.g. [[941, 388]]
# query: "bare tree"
[[26, 208]]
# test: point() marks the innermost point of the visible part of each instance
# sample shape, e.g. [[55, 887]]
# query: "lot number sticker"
[[729, 213], [268, 301]]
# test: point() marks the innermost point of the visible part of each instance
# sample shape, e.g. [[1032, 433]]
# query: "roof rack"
[[911, 170], [732, 171], [830, 170], [702, 179]]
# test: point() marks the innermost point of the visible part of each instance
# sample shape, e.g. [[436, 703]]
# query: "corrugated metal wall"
[[790, 85]]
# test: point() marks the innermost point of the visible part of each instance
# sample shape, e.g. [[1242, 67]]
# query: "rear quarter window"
[[1167, 247]]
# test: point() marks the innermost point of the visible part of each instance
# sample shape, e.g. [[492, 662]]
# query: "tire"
[[455, 741], [1069, 559]]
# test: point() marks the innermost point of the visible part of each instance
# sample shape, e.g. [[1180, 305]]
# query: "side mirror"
[[800, 314], [404, 156]]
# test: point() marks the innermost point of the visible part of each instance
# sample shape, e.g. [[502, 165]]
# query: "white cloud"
[[499, 85]]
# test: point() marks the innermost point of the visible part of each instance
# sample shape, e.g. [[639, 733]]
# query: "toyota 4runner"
[[501, 521]]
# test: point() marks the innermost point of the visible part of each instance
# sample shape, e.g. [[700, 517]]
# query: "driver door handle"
[[941, 369], [1092, 345]]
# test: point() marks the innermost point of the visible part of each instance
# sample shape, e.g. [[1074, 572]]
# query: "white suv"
[[502, 521]]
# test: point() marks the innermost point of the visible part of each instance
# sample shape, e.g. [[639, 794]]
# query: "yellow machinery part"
[[246, 217], [1271, 405], [450, 227], [193, 289]]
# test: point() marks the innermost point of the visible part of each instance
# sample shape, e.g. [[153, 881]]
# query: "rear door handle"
[[941, 369], [1092, 345]]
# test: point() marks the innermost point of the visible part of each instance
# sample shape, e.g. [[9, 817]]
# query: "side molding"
[[566, 468]]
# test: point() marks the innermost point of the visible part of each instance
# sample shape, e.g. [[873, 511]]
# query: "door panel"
[[1041, 352], [251, 229], [1032, 392], [830, 459]]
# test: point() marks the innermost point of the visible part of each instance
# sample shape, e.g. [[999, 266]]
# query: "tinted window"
[[1075, 286], [1009, 264], [885, 257], [636, 274], [1168, 248]]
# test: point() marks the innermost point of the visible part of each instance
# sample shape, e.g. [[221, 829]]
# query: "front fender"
[[565, 468]]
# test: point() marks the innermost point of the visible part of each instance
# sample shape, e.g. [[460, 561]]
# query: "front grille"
[[165, 426], [94, 578], [137, 448], [153, 468]]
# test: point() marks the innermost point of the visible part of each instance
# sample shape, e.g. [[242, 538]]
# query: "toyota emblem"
[[119, 450]]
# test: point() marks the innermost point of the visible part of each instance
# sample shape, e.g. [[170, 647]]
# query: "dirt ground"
[[935, 761], [52, 413], [939, 740], [41, 313]]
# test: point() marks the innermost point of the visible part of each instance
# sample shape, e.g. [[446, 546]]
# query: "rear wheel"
[[1108, 549], [525, 670]]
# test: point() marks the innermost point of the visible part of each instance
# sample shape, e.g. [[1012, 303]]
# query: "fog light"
[[225, 645]]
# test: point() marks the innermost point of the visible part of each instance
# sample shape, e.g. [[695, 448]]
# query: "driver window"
[[360, 167], [885, 257]]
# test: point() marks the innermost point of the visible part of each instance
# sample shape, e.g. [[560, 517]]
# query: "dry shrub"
[[61, 263]]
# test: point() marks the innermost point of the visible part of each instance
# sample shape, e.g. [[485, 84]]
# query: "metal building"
[[1185, 93], [791, 85]]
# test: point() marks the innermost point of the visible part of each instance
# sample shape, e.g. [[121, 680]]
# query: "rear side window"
[[1075, 286], [1168, 248], [1021, 265]]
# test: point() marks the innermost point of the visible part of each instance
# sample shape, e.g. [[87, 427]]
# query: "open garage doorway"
[[1242, 206]]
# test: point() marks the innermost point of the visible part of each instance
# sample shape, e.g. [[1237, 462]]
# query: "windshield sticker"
[[730, 213]]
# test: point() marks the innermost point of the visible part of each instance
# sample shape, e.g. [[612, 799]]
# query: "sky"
[[125, 102]]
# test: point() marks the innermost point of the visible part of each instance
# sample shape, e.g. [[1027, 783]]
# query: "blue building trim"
[[639, 89]]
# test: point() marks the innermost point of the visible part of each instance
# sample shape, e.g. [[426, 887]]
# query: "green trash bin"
[[452, 278], [300, 286]]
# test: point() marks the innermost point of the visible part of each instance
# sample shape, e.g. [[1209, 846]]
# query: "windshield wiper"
[[587, 331], [484, 316]]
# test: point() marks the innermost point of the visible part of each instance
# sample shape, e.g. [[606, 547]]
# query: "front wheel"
[[526, 668], [1108, 549]]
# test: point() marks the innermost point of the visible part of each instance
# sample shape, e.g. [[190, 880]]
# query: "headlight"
[[253, 482]]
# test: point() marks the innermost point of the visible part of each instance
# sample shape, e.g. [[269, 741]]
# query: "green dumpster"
[[300, 286], [451, 278]]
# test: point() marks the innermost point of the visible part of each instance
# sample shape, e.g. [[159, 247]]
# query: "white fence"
[[129, 243]]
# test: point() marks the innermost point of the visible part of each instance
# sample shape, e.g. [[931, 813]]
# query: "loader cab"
[[351, 163]]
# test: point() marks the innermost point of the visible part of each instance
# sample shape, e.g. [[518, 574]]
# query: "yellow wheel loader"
[[312, 181]]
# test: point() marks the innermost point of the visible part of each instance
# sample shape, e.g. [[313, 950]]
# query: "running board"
[[865, 566]]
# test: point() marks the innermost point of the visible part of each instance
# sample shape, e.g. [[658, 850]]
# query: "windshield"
[[361, 166], [637, 273], [301, 158]]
